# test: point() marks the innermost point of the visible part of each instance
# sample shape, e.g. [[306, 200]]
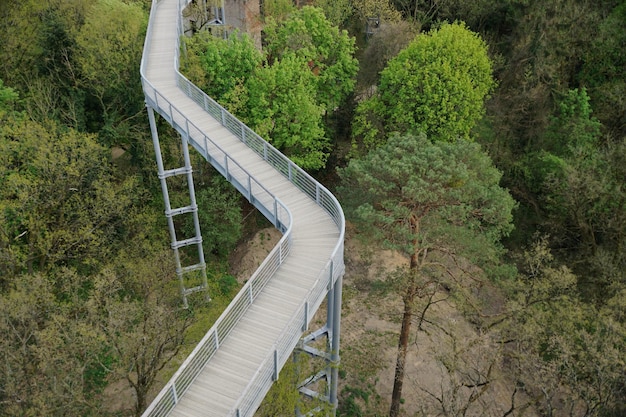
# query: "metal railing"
[[272, 208]]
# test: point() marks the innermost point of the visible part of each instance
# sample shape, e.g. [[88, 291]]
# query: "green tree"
[[277, 9], [538, 63], [8, 98], [566, 353], [382, 9], [574, 127], [220, 216], [217, 65], [481, 15], [429, 201], [338, 12], [135, 307], [602, 71], [390, 39], [55, 92], [281, 108], [575, 180], [50, 351], [18, 39], [59, 202], [329, 52], [108, 55], [437, 85]]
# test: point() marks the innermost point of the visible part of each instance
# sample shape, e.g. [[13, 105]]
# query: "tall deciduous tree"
[[136, 310], [603, 71], [281, 107], [309, 71], [59, 203], [108, 54], [578, 183], [437, 85], [336, 11], [566, 353], [381, 9], [218, 65], [428, 201], [328, 51], [51, 353], [18, 39]]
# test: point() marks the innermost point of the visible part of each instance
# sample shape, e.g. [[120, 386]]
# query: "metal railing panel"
[[255, 391]]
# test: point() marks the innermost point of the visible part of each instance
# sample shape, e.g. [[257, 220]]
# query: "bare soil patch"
[[451, 367], [248, 256]]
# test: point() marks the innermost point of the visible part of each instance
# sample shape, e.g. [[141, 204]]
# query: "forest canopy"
[[525, 96]]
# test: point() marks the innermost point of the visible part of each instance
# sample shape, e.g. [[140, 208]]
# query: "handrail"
[[278, 356], [271, 207]]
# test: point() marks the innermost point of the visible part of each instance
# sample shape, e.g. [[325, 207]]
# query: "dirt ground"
[[451, 368]]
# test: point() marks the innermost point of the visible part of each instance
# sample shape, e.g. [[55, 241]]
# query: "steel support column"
[[170, 213], [332, 332], [335, 341]]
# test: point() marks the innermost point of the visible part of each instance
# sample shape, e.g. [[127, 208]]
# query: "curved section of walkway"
[[233, 367]]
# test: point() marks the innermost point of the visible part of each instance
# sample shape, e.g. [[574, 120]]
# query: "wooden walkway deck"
[[216, 390]]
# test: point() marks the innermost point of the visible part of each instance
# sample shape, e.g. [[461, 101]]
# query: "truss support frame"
[[331, 331], [192, 208]]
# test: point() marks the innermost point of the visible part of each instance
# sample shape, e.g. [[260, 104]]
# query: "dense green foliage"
[[217, 65], [437, 85], [555, 127], [328, 52], [415, 196], [86, 278], [108, 48], [220, 216], [307, 72], [59, 202], [281, 105], [88, 291]]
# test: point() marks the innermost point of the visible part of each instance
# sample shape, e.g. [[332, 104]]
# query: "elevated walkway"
[[233, 367]]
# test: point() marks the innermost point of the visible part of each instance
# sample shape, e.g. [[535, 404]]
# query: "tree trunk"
[[407, 317], [140, 404], [402, 349]]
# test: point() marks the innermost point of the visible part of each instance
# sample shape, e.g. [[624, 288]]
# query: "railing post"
[[174, 393], [217, 339], [206, 148], [275, 365], [305, 326]]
